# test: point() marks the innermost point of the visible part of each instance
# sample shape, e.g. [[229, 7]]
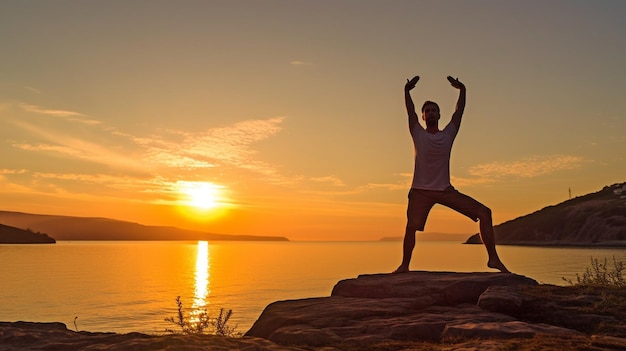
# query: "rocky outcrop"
[[412, 306], [12, 235], [596, 219]]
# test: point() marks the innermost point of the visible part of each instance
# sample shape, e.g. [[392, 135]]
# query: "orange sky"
[[293, 114]]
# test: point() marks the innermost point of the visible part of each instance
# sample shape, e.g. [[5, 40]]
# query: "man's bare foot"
[[401, 269], [497, 264]]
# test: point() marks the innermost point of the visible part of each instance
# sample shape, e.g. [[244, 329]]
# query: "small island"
[[13, 235]]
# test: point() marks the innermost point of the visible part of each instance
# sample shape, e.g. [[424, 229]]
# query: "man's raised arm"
[[408, 101], [460, 104]]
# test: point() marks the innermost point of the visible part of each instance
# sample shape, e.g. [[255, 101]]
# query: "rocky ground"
[[442, 309], [412, 311]]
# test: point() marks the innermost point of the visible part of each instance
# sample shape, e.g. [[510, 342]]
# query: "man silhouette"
[[431, 176]]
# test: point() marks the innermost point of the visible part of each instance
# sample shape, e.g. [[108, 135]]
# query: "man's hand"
[[455, 83], [410, 84]]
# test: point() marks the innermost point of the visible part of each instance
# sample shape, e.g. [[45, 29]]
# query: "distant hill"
[[92, 228], [596, 219], [12, 235]]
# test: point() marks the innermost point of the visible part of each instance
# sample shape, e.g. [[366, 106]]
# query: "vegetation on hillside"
[[594, 219]]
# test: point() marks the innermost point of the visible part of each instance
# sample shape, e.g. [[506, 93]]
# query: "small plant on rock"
[[221, 323], [200, 322], [600, 275]]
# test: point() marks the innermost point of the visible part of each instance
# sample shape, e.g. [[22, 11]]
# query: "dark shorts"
[[421, 201]]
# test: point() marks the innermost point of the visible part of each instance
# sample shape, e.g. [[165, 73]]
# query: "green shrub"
[[600, 275]]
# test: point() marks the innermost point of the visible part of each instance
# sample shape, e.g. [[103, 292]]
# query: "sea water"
[[132, 286]]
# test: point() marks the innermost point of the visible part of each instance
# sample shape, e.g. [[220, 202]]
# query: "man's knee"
[[414, 223], [411, 228], [484, 213]]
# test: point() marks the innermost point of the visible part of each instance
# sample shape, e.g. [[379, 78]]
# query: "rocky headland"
[[12, 235], [596, 219], [412, 311]]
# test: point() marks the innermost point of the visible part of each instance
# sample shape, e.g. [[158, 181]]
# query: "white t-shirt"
[[432, 157]]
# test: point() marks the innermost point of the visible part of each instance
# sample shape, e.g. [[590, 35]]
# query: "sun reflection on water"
[[201, 291]]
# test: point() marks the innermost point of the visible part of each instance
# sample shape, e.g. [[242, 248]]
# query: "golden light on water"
[[201, 291]]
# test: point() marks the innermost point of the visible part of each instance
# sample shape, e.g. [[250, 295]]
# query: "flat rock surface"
[[445, 288], [410, 306]]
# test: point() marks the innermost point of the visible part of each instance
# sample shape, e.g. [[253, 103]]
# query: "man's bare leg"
[[407, 250], [488, 238]]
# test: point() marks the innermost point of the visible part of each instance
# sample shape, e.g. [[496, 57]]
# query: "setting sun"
[[200, 195]]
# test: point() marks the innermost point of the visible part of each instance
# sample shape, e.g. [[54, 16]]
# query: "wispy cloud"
[[226, 147], [54, 148], [529, 167], [223, 146], [32, 89], [93, 187], [69, 145], [151, 184], [58, 113], [69, 115], [332, 180], [387, 186], [300, 63], [12, 171], [462, 181], [340, 189]]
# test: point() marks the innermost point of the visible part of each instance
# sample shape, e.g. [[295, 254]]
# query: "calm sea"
[[132, 286]]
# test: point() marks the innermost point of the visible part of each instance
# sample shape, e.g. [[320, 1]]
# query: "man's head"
[[430, 113]]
